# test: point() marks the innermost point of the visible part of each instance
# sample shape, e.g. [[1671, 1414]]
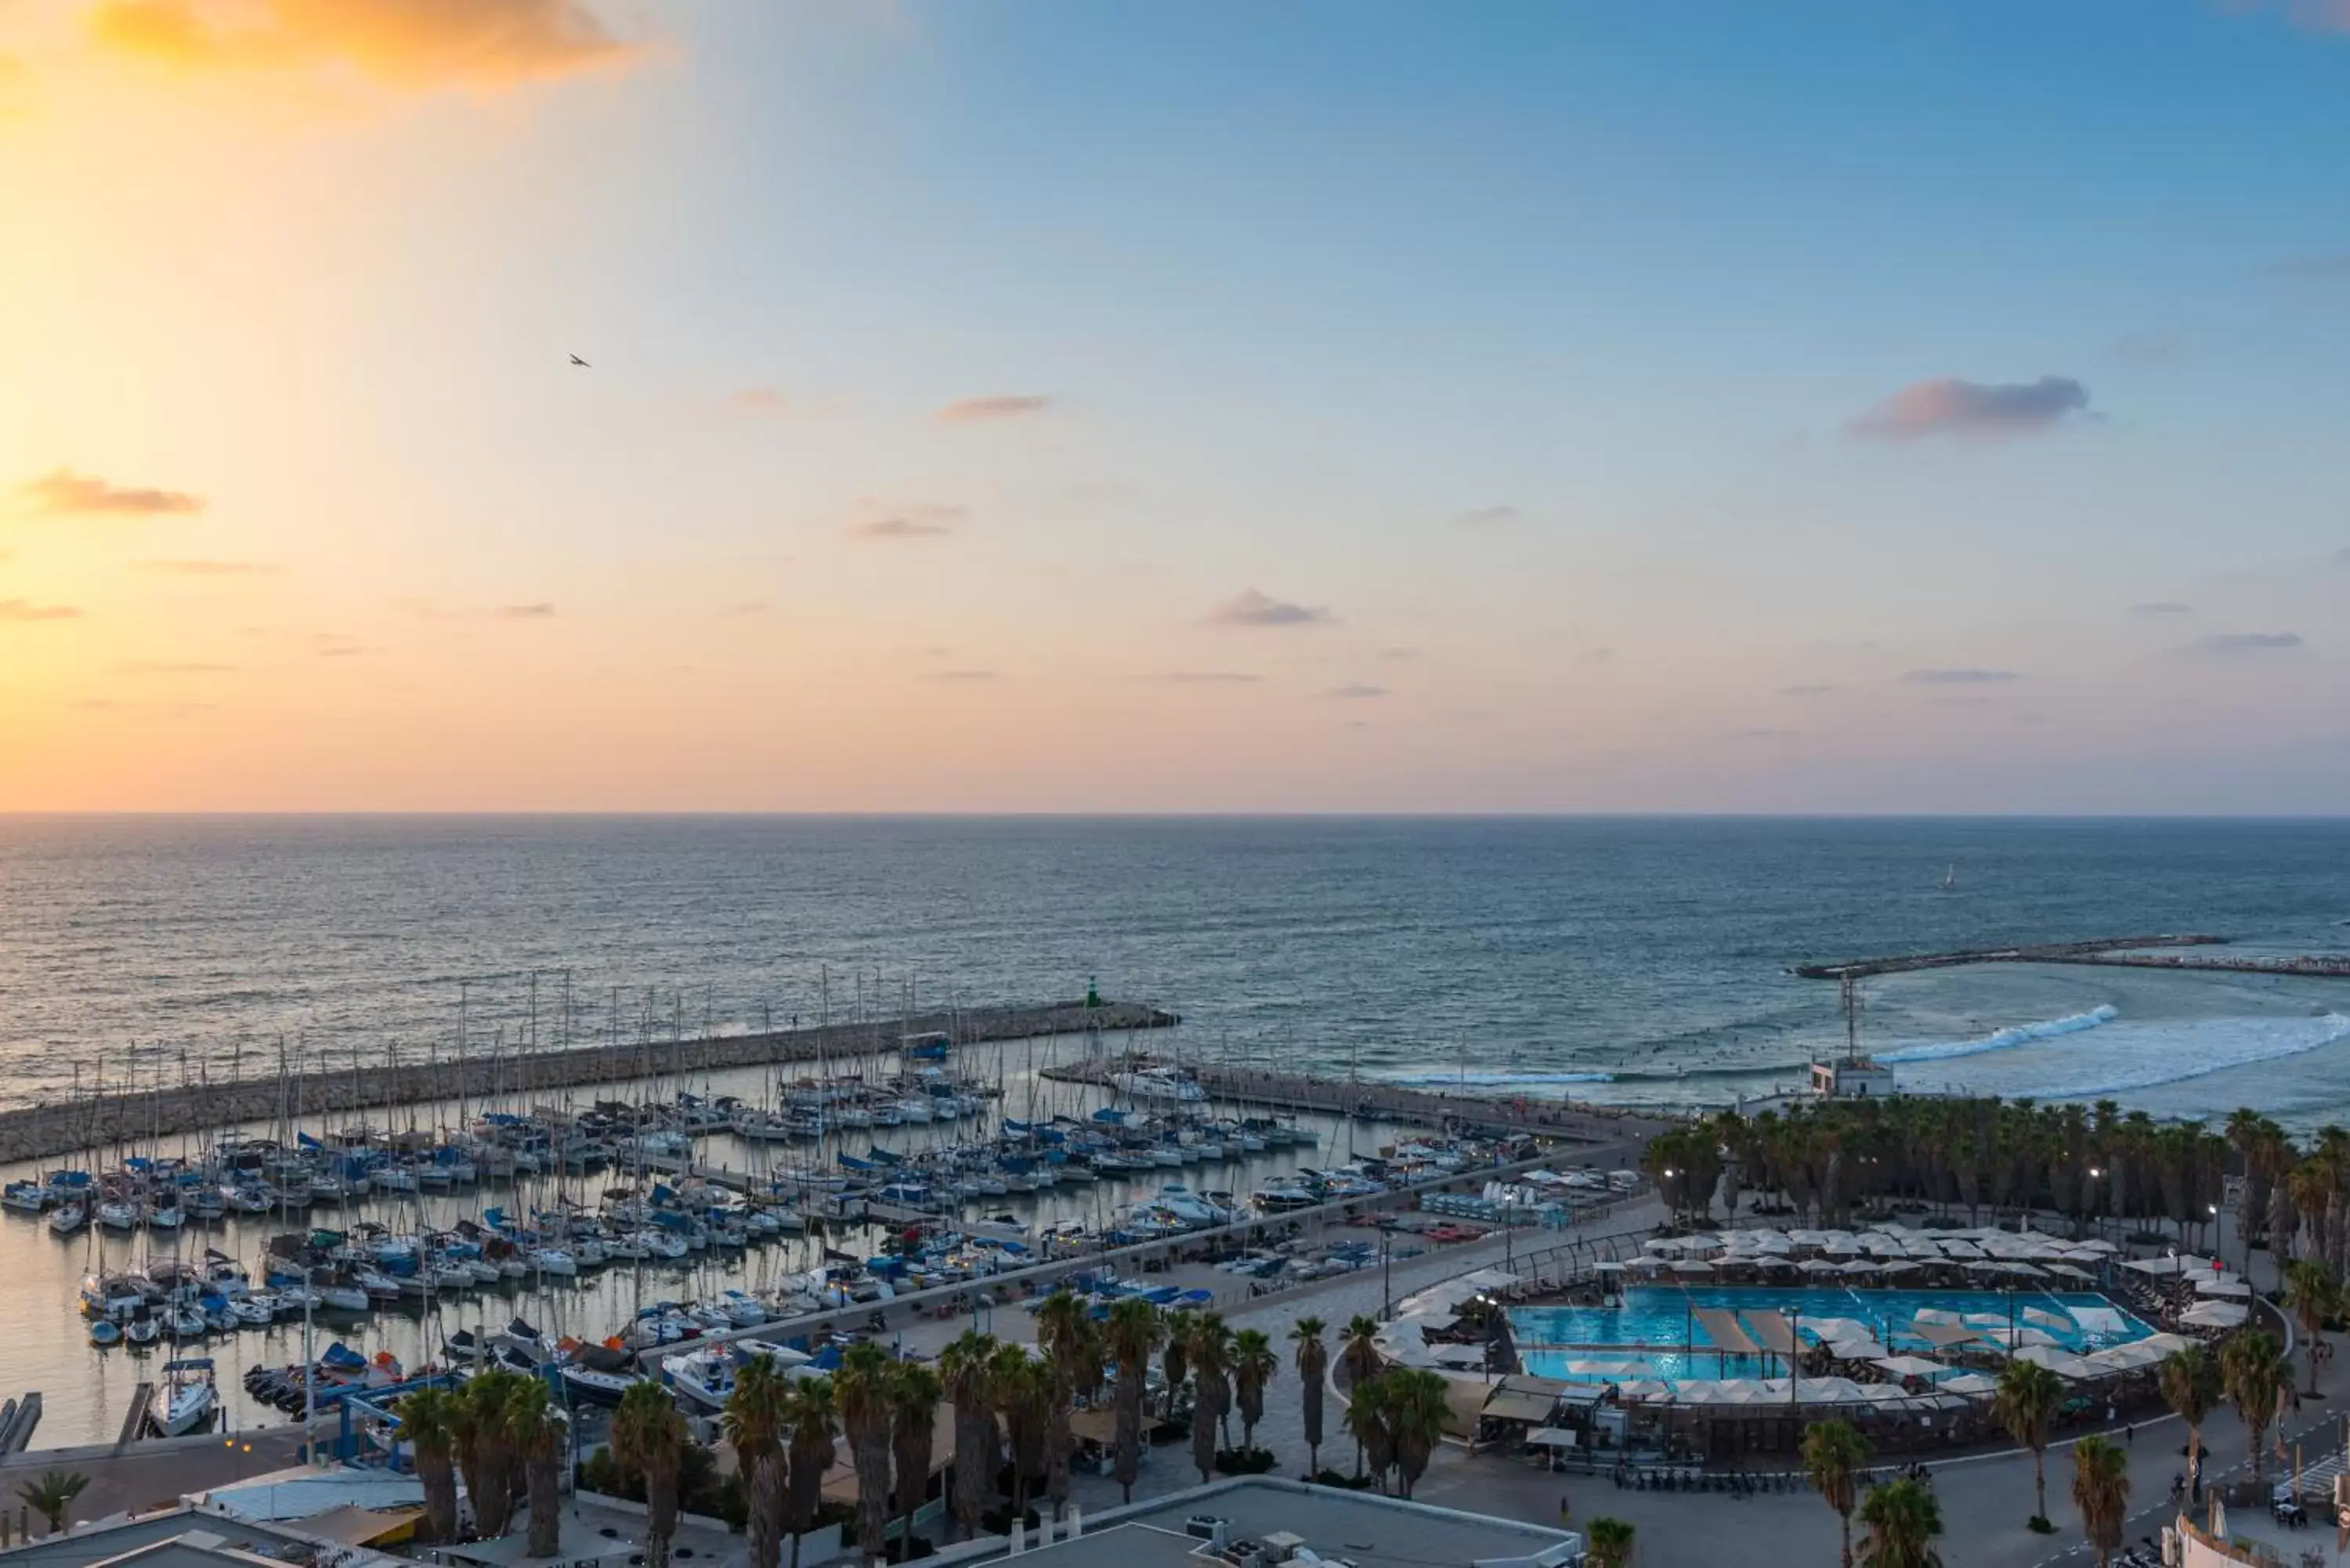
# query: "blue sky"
[[1646, 402]]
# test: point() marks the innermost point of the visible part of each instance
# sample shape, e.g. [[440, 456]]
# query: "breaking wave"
[[2004, 1040]]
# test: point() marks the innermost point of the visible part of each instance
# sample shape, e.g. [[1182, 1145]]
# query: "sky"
[[1900, 405]]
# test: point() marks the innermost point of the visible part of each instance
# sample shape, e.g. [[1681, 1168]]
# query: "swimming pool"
[[1656, 1333]]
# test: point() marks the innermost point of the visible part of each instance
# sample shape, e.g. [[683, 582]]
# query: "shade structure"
[[1861, 1266], [1972, 1384], [1553, 1437], [1820, 1266], [2215, 1314], [1911, 1366], [1897, 1266], [2046, 1319], [2068, 1270], [2215, 1286], [1723, 1328], [2063, 1362], [1692, 1266]]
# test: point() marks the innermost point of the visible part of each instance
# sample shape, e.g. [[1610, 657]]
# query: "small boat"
[[68, 1218], [1951, 878], [185, 1323], [119, 1214], [143, 1330], [26, 1197], [188, 1399], [104, 1331]]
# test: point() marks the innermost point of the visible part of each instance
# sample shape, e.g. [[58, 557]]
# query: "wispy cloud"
[[2162, 608], [337, 645], [1250, 608], [917, 520], [1000, 406], [1354, 691], [1960, 677], [541, 610], [1813, 691], [20, 611], [2144, 348], [1484, 515], [62, 492], [1211, 678], [959, 677], [1974, 411], [2223, 644], [538, 610], [414, 45], [760, 400], [208, 568], [160, 667]]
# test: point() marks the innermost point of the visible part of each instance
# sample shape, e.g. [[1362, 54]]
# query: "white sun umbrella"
[[2046, 1319], [1877, 1244], [1819, 1266], [1986, 1266], [1954, 1248], [1808, 1238], [1934, 1314], [1662, 1244], [1897, 1266], [2214, 1315], [2098, 1245], [1861, 1266], [1609, 1266], [1968, 1383], [2026, 1271], [1841, 1247], [1645, 1264], [1773, 1260], [2217, 1287], [2067, 1270], [1692, 1266]]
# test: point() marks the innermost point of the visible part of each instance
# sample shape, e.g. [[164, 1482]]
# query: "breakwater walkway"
[[2096, 950], [1248, 1087], [41, 1131]]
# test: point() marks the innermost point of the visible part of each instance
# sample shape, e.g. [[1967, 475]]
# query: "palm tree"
[[53, 1494], [809, 1431], [479, 1424], [2311, 1296], [2257, 1375], [425, 1426], [754, 1424], [1175, 1359], [1367, 1423], [1608, 1543], [535, 1433], [1211, 1388], [861, 1387], [1903, 1520], [2101, 1491], [1135, 1331], [1311, 1359], [914, 1395], [1065, 1330], [2191, 1387], [1415, 1413], [1358, 1352], [2026, 1404], [1022, 1387], [650, 1436], [963, 1367], [1834, 1453], [1253, 1366]]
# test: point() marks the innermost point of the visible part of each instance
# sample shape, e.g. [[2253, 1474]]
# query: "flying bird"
[[581, 363]]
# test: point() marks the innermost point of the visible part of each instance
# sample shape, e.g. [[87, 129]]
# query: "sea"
[[1615, 960], [1623, 960]]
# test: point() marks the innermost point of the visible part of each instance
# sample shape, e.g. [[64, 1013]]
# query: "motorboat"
[[105, 1331], [119, 1214], [142, 1330], [706, 1377], [68, 1218], [188, 1399]]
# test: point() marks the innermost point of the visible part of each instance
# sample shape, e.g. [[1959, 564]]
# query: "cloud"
[[1974, 410], [1211, 678], [337, 645], [539, 611], [62, 492], [27, 610], [1354, 691], [2144, 348], [152, 667], [744, 609], [2221, 645], [914, 521], [759, 400], [959, 677], [1805, 691], [1400, 654], [2162, 606], [206, 569], [1250, 608], [1484, 515], [414, 45], [1001, 406], [1960, 677]]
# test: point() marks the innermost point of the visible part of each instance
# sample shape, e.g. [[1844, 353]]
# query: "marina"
[[309, 1257]]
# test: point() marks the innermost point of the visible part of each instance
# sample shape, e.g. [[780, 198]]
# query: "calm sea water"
[[1640, 960], [1604, 956]]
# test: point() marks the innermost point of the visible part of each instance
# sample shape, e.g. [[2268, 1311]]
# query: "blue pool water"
[[1656, 1333]]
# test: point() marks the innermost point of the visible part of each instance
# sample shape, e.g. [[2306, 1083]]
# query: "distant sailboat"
[[1951, 878]]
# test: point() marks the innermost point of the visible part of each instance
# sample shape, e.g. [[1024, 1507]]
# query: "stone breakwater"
[[41, 1131]]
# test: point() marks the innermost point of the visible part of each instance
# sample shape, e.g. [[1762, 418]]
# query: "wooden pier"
[[41, 1131]]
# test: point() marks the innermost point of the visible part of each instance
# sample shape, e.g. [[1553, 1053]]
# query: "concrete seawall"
[[40, 1132]]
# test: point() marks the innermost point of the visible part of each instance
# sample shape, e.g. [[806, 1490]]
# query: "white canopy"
[[2215, 1314], [2216, 1286], [1552, 1437], [1911, 1366]]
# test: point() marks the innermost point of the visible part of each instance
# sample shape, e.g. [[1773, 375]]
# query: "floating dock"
[[41, 1131], [1247, 1088]]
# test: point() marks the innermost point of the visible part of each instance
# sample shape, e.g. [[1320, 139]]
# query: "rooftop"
[[1291, 1520], [181, 1537]]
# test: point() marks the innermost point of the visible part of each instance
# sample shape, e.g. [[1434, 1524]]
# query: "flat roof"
[[100, 1541], [1369, 1531]]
